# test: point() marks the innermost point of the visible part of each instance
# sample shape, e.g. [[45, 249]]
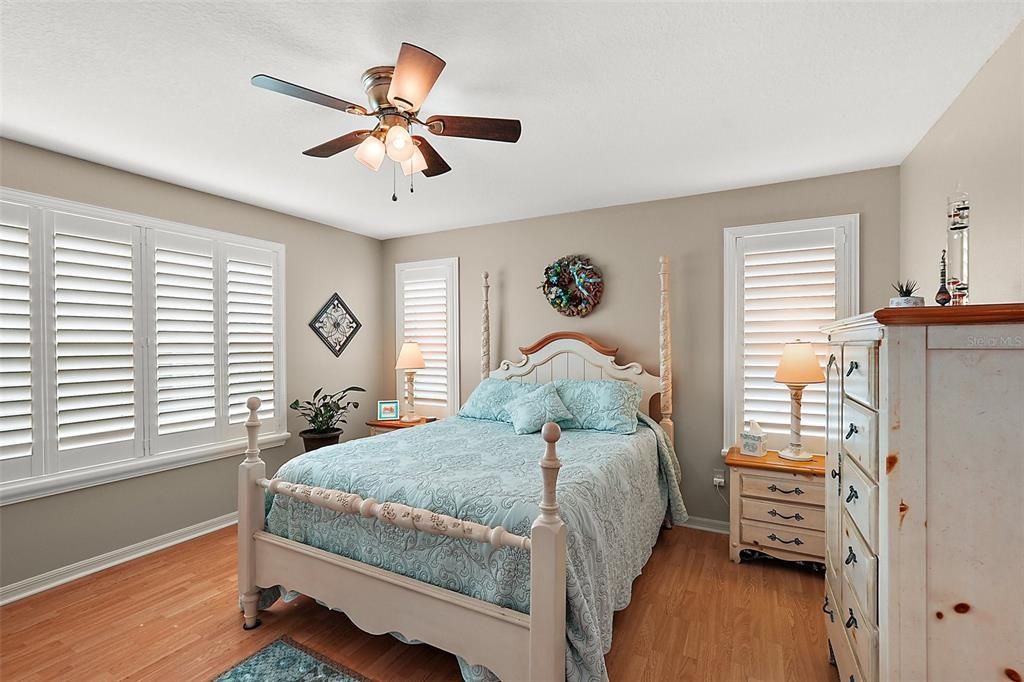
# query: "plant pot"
[[906, 302], [313, 440]]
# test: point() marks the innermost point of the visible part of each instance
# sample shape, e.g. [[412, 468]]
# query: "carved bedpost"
[[547, 573], [665, 350], [485, 332], [250, 515]]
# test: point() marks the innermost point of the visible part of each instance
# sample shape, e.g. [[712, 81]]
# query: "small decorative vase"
[[313, 440], [906, 302]]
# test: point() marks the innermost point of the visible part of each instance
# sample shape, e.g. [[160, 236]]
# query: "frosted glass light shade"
[[415, 163], [410, 356], [399, 144], [370, 152], [799, 365]]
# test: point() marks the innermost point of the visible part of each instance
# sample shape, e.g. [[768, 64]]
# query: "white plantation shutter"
[[427, 306], [249, 285], [784, 281], [185, 339], [94, 340]]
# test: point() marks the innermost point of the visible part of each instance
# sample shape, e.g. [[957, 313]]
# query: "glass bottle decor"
[[942, 296], [958, 236]]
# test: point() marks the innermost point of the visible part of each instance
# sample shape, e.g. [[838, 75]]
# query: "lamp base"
[[796, 456]]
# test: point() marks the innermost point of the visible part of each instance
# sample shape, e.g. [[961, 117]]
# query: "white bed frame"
[[515, 646]]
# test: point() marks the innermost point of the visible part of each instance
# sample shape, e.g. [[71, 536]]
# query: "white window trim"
[[275, 429], [455, 393], [847, 275]]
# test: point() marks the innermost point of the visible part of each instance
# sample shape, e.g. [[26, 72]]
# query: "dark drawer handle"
[[851, 558], [853, 366], [851, 622], [776, 489], [831, 614], [853, 495], [795, 516], [835, 473], [794, 541], [853, 430]]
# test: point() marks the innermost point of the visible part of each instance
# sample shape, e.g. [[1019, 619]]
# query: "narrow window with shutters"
[[427, 306], [249, 282]]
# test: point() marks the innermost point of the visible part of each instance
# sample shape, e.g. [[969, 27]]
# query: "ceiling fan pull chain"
[[394, 183], [412, 178]]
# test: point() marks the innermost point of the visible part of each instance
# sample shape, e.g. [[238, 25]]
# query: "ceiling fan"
[[396, 94]]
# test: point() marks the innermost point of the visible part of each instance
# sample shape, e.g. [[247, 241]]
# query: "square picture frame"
[[387, 410]]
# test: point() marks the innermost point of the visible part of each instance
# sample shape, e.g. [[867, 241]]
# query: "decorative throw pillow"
[[489, 399], [533, 410], [604, 405]]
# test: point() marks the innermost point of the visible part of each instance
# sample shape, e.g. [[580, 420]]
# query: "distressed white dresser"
[[924, 477]]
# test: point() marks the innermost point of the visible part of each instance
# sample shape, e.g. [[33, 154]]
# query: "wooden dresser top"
[[993, 313], [771, 461]]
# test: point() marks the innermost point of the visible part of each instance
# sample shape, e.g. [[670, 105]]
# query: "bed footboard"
[[513, 645]]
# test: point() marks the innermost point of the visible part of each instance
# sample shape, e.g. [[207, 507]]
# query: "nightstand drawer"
[[781, 513], [860, 436], [797, 540], [860, 373], [860, 570], [860, 499], [784, 487]]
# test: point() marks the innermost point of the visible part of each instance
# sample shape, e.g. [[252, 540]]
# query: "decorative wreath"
[[572, 285]]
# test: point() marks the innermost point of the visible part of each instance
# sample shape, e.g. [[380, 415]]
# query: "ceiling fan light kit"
[[396, 94]]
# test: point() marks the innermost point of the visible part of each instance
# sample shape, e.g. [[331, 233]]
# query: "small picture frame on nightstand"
[[387, 410]]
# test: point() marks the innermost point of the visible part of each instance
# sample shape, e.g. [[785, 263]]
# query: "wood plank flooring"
[[173, 615]]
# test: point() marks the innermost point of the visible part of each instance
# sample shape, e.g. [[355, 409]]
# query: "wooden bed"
[[515, 646]]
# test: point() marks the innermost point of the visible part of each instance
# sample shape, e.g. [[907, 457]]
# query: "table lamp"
[[410, 359], [798, 368]]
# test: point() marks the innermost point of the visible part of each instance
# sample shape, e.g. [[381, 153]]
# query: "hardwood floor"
[[173, 616]]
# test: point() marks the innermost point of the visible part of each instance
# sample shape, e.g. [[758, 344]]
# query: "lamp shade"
[[799, 365], [370, 152], [410, 356]]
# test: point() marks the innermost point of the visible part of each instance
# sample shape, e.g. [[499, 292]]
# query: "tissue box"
[[753, 444]]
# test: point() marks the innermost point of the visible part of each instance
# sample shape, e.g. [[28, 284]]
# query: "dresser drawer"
[[862, 635], [860, 436], [781, 513], [860, 373], [784, 487], [860, 499], [860, 570], [797, 540]]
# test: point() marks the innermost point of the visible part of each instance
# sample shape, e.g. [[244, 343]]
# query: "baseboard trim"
[[64, 574], [706, 524]]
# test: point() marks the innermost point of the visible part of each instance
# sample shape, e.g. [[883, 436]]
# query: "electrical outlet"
[[718, 478]]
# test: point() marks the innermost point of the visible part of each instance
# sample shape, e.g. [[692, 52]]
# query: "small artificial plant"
[[326, 410], [905, 289]]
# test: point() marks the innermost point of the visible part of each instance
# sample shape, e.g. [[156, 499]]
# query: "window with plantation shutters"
[[784, 281], [129, 344], [426, 304]]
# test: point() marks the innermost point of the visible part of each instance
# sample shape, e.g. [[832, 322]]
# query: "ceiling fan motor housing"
[[377, 82]]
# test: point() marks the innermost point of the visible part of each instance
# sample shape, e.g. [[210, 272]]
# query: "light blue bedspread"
[[613, 490]]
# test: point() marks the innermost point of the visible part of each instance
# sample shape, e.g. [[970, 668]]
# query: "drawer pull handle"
[[853, 430], [795, 516], [851, 622], [853, 495], [825, 609], [794, 541], [854, 365], [835, 473], [851, 558], [776, 489]]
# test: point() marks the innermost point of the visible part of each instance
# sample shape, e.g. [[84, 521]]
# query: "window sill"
[[54, 484]]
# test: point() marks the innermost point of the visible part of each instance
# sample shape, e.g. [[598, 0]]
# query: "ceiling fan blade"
[[285, 88], [338, 144], [416, 71], [435, 164], [496, 129]]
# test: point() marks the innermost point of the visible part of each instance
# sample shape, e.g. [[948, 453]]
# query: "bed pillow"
[[533, 410], [490, 398], [603, 405]]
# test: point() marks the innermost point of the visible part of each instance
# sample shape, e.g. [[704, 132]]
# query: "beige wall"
[[43, 534], [625, 243], [978, 143]]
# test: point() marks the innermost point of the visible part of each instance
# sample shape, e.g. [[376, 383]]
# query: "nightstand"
[[776, 506], [378, 427]]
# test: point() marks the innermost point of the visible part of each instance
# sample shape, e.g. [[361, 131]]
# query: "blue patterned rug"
[[285, 660]]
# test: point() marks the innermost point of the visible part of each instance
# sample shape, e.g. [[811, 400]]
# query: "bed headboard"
[[572, 355]]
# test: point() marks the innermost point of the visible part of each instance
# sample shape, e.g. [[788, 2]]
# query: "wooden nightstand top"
[[398, 423], [772, 462]]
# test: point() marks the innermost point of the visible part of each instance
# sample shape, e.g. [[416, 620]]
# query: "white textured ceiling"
[[620, 102]]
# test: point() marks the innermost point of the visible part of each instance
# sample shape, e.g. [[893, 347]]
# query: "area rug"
[[285, 660]]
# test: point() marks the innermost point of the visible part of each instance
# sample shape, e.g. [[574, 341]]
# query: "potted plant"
[[906, 298], [323, 413]]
